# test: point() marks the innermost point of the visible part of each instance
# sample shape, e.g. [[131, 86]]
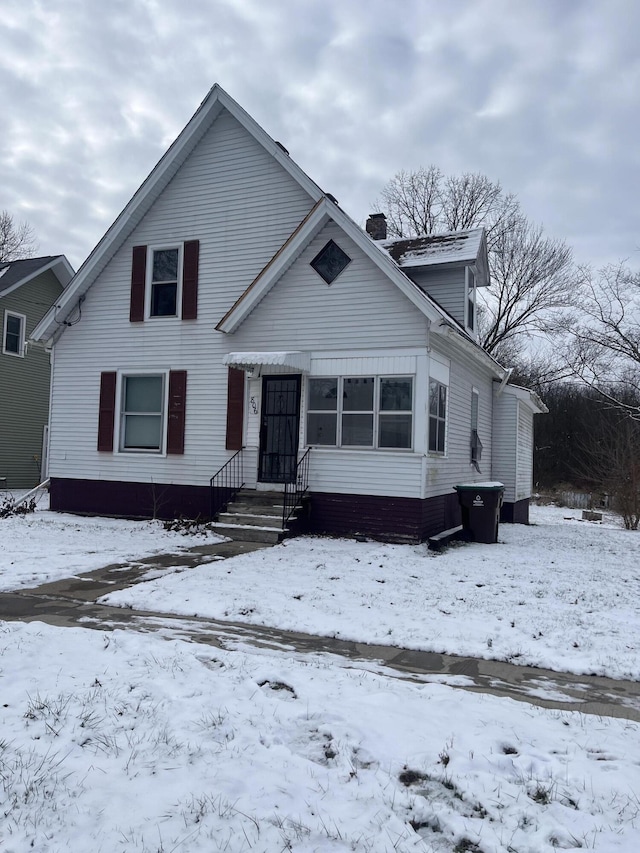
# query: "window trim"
[[471, 294], [444, 419], [22, 338], [120, 414], [376, 413], [148, 285]]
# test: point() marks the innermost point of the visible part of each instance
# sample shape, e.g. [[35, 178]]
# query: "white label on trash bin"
[[477, 501]]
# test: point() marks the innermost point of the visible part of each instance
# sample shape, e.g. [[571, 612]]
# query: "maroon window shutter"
[[235, 408], [107, 411], [190, 259], [177, 410], [138, 281]]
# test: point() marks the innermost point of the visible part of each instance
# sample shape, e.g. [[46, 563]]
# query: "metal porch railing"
[[296, 487], [226, 483]]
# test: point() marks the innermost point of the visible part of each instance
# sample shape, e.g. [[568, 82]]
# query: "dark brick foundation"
[[386, 518], [129, 500]]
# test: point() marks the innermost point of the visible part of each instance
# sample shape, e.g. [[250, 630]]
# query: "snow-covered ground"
[[128, 742], [562, 594], [124, 741], [46, 546]]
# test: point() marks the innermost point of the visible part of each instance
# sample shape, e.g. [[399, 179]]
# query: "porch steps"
[[254, 516]]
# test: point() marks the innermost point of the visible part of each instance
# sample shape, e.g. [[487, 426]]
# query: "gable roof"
[[324, 211], [13, 274], [168, 165]]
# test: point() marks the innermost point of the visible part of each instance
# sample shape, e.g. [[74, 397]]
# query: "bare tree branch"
[[604, 351], [533, 281], [17, 239]]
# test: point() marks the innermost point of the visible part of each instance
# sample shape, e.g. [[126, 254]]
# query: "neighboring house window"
[[164, 281], [471, 300], [476, 444], [330, 261], [13, 334], [142, 413], [437, 416], [147, 410], [360, 411]]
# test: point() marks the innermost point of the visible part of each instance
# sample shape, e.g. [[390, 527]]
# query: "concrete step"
[[248, 519], [249, 533], [248, 508], [259, 498]]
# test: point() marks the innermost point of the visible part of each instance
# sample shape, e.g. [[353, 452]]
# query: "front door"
[[279, 427]]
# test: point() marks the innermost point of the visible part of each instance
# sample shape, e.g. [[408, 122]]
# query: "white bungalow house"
[[234, 317]]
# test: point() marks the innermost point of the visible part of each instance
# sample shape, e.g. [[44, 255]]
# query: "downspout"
[[507, 377]]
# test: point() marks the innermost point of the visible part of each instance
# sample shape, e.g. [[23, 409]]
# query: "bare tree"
[[605, 348], [533, 286], [17, 239], [426, 202], [532, 276]]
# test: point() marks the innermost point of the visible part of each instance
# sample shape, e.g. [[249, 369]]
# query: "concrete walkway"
[[71, 603]]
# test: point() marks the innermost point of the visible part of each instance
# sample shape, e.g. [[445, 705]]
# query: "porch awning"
[[297, 361]]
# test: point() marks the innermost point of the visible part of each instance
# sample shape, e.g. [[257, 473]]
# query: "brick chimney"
[[377, 226]]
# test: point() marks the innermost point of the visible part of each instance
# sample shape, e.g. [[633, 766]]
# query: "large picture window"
[[437, 416], [360, 411], [13, 334], [142, 413]]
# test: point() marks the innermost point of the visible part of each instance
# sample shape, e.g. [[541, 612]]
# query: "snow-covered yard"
[[562, 594], [122, 741]]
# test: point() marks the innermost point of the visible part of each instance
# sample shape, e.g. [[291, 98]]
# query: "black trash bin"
[[480, 504]]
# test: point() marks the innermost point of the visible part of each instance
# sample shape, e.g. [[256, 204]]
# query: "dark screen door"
[[279, 428]]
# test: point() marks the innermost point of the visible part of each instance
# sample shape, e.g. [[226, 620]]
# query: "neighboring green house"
[[28, 288]]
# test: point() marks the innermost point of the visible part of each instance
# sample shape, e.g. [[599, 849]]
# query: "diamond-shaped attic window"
[[330, 261]]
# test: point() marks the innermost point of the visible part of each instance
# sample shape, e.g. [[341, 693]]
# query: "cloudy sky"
[[541, 95]]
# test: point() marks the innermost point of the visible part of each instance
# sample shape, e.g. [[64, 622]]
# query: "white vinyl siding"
[[241, 205], [446, 286], [444, 472], [505, 432], [362, 309], [524, 477]]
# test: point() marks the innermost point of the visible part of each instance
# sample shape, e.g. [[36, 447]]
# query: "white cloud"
[[542, 96]]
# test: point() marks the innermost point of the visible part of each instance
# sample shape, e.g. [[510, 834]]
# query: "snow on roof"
[[435, 249]]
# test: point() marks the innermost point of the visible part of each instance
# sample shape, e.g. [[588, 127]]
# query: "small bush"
[[9, 508]]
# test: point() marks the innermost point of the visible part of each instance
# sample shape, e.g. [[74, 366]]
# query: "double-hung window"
[[164, 286], [437, 416], [13, 334], [360, 411], [142, 413]]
